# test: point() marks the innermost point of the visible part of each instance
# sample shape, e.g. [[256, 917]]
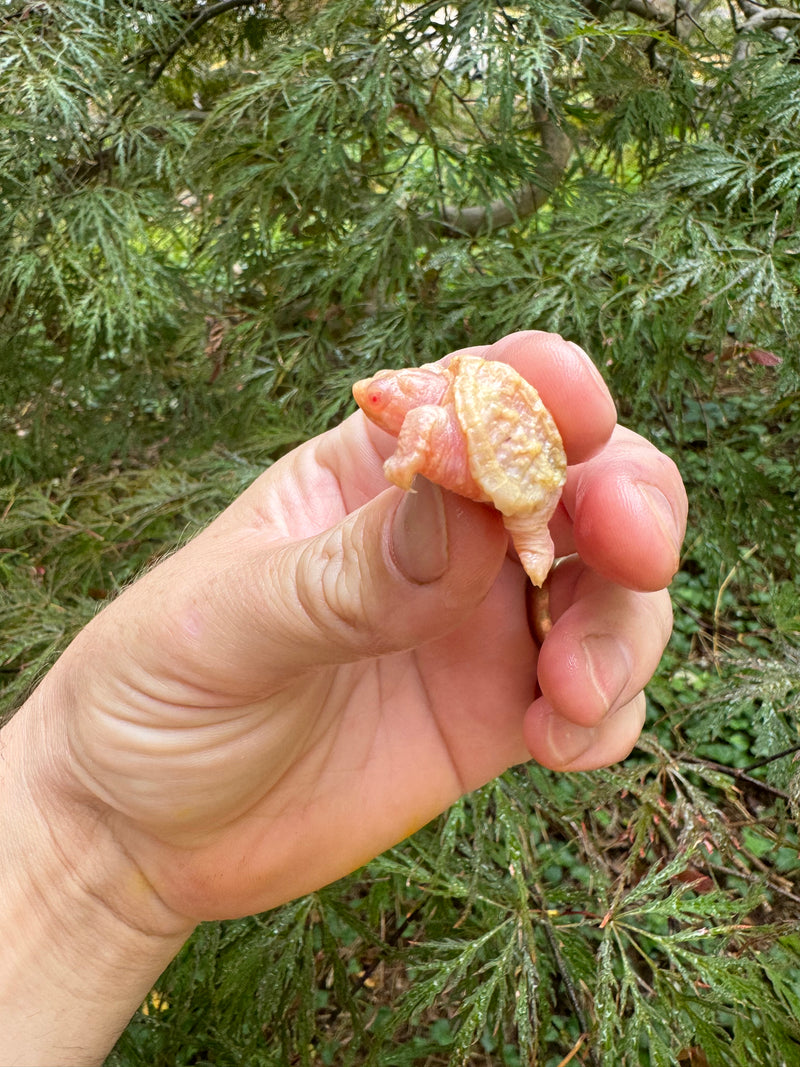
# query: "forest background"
[[213, 218]]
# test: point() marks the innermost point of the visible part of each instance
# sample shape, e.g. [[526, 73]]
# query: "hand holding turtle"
[[322, 670]]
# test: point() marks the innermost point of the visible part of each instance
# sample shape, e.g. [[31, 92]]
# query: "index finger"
[[571, 387]]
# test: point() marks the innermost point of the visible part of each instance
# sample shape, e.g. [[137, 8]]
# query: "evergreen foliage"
[[213, 218]]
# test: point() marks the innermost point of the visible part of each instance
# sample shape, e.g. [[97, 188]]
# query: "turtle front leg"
[[416, 445], [431, 443]]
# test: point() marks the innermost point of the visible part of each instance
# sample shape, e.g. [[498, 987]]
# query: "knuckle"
[[338, 594]]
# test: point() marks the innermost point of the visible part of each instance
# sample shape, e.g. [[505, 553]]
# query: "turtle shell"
[[514, 449]]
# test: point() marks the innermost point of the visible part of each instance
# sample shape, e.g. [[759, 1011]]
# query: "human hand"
[[333, 662]]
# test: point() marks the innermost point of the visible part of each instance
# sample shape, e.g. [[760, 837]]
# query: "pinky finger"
[[562, 745]]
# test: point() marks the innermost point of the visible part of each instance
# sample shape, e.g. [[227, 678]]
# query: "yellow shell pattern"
[[514, 449]]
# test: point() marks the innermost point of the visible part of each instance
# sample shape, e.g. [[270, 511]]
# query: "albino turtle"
[[475, 427]]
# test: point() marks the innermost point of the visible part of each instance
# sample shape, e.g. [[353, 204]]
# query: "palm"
[[362, 753]]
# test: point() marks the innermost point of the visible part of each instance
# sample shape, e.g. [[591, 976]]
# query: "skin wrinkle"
[[191, 739], [300, 739], [302, 509], [370, 678], [372, 681], [360, 477], [663, 619], [134, 679], [295, 600], [194, 711], [374, 677], [343, 477], [127, 692], [346, 590], [327, 504], [328, 680], [121, 916], [83, 884], [326, 566], [301, 601], [461, 783], [615, 659], [243, 730], [660, 507]]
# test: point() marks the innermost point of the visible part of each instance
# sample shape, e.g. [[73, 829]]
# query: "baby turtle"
[[478, 428]]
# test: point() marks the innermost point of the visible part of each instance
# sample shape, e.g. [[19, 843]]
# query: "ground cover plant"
[[213, 218]]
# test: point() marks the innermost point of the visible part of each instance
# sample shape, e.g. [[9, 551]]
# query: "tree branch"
[[195, 18], [655, 10], [203, 14], [486, 218], [778, 21], [767, 17], [674, 15]]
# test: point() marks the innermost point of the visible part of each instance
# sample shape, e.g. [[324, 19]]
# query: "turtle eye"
[[371, 396], [377, 397]]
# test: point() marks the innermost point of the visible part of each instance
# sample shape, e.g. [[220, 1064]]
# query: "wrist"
[[85, 935]]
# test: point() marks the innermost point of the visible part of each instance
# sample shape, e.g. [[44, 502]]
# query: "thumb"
[[401, 570]]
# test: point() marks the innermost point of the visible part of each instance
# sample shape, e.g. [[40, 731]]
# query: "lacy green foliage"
[[246, 192], [68, 545], [758, 709], [213, 218], [520, 922]]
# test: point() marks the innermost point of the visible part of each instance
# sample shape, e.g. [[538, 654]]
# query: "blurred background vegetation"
[[213, 218]]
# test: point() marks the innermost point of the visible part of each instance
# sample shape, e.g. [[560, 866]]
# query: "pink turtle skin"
[[480, 430]]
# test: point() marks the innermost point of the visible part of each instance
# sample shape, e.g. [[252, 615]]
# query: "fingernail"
[[591, 366], [662, 512], [419, 533], [567, 741], [608, 665], [582, 353]]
